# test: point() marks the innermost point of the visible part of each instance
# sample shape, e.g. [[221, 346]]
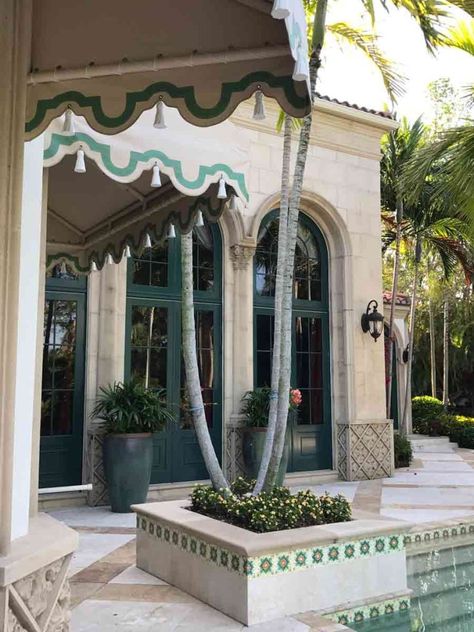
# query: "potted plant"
[[256, 406], [131, 414]]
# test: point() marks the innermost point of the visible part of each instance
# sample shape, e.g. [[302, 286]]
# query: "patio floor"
[[110, 594]]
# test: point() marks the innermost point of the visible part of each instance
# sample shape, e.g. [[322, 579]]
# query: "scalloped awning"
[[114, 205], [111, 60]]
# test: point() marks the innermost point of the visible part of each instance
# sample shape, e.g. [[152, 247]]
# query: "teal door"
[[62, 404], [153, 346], [311, 429]]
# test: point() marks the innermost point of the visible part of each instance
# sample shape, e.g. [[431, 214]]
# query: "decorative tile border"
[[437, 534], [370, 611], [275, 563]]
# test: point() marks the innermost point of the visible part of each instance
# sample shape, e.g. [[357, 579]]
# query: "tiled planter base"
[[258, 577]]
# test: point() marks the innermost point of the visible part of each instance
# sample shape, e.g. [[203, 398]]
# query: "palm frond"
[[461, 36], [429, 15], [366, 42], [466, 5]]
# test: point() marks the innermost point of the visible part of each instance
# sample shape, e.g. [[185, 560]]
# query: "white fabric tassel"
[[233, 203], [80, 166], [259, 107], [156, 179], [222, 193], [160, 116], [171, 232], [109, 259], [63, 268], [199, 219], [301, 71], [127, 252], [147, 241], [281, 9], [93, 266], [68, 127]]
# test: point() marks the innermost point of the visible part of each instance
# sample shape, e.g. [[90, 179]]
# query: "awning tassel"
[[109, 259], [68, 127], [63, 268], [259, 107], [222, 193], [147, 241], [171, 232], [156, 179], [160, 116], [127, 252], [281, 9], [233, 203], [301, 71], [200, 219], [93, 266], [80, 166]]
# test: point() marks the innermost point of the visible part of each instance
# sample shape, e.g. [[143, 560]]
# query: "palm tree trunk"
[[293, 213], [404, 424], [396, 272], [193, 383], [282, 256], [446, 352], [432, 348]]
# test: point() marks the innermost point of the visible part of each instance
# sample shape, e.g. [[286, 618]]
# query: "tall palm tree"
[[428, 14], [431, 224], [397, 149]]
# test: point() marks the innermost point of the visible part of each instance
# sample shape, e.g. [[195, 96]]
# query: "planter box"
[[256, 577]]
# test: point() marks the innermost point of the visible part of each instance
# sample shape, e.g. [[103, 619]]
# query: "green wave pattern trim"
[[58, 140], [186, 93]]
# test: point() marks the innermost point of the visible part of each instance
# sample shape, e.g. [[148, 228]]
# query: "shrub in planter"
[[424, 410], [256, 406], [131, 413], [269, 511], [459, 429], [402, 449]]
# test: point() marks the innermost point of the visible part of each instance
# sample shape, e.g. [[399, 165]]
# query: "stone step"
[[423, 443], [316, 477]]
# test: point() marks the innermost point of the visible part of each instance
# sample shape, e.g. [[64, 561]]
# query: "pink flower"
[[295, 397]]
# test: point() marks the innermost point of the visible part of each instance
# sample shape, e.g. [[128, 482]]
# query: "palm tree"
[[398, 148], [428, 15], [193, 383], [431, 224]]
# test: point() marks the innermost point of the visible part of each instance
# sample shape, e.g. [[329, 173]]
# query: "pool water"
[[442, 581]]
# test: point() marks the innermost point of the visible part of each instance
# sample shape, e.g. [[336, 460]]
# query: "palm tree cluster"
[[430, 16]]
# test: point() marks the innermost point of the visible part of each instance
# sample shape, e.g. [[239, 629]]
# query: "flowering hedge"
[[269, 511]]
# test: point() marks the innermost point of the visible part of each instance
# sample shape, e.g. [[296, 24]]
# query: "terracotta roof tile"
[[387, 115]]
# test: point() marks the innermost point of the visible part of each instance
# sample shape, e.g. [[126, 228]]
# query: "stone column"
[[105, 363], [240, 316], [34, 592]]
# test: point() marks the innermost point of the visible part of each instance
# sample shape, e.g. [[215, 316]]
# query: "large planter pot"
[[127, 464], [253, 441]]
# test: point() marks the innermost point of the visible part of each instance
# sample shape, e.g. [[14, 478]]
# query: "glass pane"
[[309, 369], [151, 268], [204, 321], [203, 258], [62, 412], [149, 340], [59, 360], [307, 268], [264, 343]]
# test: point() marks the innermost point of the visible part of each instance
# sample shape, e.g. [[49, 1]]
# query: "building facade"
[[124, 321]]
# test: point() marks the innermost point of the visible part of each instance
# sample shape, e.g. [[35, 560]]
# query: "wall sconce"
[[372, 321], [406, 354]]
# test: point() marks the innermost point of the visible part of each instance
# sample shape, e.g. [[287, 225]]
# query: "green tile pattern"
[[370, 611], [274, 563], [439, 533]]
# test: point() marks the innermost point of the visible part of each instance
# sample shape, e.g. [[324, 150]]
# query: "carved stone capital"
[[241, 255]]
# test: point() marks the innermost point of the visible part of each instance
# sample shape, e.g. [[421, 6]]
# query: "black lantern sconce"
[[372, 321]]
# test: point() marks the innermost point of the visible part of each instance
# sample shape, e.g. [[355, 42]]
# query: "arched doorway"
[[311, 435], [153, 345], [394, 390]]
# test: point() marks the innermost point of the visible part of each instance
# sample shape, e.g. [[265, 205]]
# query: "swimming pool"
[[442, 581]]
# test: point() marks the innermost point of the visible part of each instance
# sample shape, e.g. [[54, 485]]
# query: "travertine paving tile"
[[134, 575], [95, 546]]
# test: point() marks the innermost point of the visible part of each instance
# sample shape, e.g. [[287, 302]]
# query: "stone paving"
[[109, 594]]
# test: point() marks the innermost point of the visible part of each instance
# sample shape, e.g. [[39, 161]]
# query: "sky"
[[347, 75]]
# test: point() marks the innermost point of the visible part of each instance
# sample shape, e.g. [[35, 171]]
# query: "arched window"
[[153, 344], [311, 434]]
